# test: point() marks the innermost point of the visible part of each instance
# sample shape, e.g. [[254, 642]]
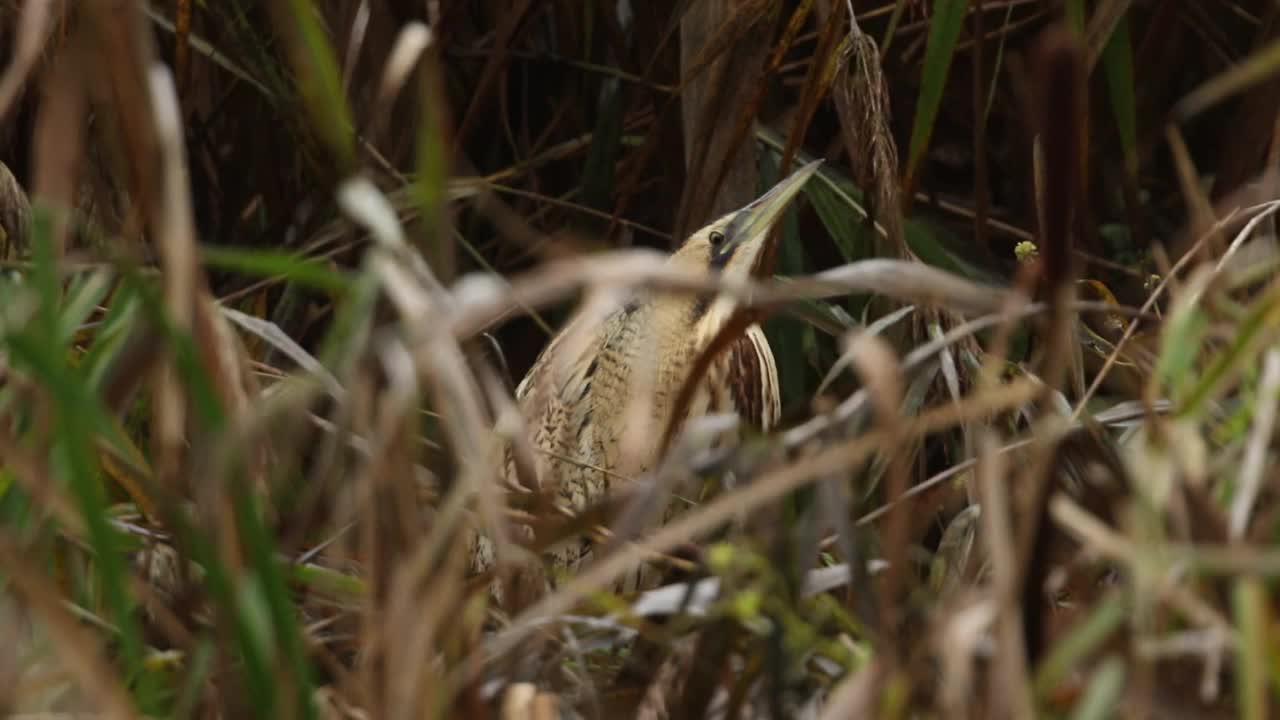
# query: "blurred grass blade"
[[82, 656], [111, 334], [944, 31], [1255, 69], [288, 633], [83, 298], [1085, 637], [28, 42], [228, 600], [431, 187], [269, 263], [203, 398], [281, 341], [352, 321], [1105, 690], [44, 355], [1073, 11], [319, 78], [1249, 599], [1181, 340], [1257, 328]]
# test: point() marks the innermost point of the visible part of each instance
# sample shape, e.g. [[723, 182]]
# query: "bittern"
[[576, 397]]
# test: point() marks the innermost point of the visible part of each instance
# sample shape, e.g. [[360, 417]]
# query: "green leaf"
[[836, 200], [933, 243], [1117, 63], [602, 158], [83, 297], [786, 337], [111, 334], [944, 31], [838, 205]]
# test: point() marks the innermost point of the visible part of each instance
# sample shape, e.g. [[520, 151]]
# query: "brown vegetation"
[[273, 270]]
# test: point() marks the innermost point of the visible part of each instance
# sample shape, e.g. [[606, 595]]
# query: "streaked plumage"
[[580, 398]]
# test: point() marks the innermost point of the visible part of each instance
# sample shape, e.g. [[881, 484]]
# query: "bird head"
[[734, 244]]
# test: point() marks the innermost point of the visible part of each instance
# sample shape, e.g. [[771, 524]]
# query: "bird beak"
[[761, 215]]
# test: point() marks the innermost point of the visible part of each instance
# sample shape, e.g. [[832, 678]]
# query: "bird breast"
[[597, 405], [597, 400]]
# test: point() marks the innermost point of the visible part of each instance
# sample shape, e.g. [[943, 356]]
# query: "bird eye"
[[717, 238]]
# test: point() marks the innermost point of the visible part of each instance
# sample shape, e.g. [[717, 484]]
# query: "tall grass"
[[274, 270]]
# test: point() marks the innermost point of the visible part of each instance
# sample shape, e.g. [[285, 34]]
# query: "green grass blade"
[[935, 245], [111, 334], [1117, 64], [1181, 342], [431, 188], [288, 633], [1084, 637], [206, 406], [1249, 598], [351, 323], [317, 69], [40, 351], [786, 337], [231, 594], [275, 263], [1073, 11], [255, 669], [944, 31], [838, 210], [83, 297], [602, 158], [1255, 329], [838, 203], [1103, 693]]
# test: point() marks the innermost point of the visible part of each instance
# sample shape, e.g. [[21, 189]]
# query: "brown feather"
[[680, 357]]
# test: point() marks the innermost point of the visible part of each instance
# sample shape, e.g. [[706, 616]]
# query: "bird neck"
[[688, 323]]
